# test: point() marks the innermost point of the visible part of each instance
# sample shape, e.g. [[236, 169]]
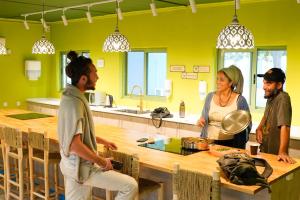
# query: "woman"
[[226, 99]]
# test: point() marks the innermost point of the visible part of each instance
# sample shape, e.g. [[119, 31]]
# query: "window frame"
[[144, 87], [62, 68], [253, 64]]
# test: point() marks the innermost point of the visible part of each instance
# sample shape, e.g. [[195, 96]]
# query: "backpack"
[[240, 169], [161, 112]]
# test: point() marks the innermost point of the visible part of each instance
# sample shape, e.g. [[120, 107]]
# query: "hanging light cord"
[[235, 19]]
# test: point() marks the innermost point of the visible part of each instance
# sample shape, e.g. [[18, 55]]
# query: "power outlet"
[[5, 104], [18, 103]]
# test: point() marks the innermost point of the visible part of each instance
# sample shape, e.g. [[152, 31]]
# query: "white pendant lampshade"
[[43, 46], [116, 42], [235, 36], [3, 50]]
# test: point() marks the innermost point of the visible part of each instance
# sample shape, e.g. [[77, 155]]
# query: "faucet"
[[141, 96]]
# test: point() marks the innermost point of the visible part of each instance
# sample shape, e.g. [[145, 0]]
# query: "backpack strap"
[[263, 163]]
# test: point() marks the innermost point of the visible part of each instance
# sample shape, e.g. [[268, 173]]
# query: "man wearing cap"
[[273, 132]]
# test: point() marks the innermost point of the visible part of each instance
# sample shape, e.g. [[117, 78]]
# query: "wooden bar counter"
[[158, 160]]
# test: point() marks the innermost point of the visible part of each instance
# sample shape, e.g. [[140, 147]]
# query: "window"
[[253, 62], [64, 62], [147, 69]]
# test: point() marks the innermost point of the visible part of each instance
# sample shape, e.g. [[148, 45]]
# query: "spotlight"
[[120, 15], [64, 19], [238, 6], [26, 25], [89, 16], [44, 23], [193, 6], [153, 8]]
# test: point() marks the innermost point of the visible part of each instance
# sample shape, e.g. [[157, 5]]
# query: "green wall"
[[190, 39], [14, 85]]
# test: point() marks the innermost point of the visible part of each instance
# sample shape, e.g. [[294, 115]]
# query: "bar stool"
[[39, 151], [131, 168], [191, 185], [16, 150], [2, 165]]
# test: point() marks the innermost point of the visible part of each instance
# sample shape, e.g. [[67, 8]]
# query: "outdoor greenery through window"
[[147, 69], [64, 61], [253, 62]]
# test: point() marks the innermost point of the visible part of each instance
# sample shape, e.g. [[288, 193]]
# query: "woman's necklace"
[[226, 102]]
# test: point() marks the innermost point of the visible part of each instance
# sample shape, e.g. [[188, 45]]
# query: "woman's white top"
[[215, 117]]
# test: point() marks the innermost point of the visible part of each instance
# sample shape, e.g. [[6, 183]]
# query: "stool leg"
[[31, 170], [56, 180], [21, 171], [46, 171], [7, 149], [160, 192]]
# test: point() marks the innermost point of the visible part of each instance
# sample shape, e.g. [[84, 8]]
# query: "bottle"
[[182, 109]]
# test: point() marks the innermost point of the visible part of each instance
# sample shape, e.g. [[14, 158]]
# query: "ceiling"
[[12, 9]]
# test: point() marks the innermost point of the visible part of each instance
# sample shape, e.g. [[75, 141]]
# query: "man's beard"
[[89, 86], [272, 94]]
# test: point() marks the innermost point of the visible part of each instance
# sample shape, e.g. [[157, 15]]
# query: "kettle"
[[109, 101]]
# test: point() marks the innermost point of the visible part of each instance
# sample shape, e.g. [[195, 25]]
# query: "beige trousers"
[[111, 180]]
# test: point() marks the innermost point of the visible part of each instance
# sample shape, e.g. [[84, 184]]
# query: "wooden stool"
[[188, 184], [39, 151], [131, 168], [14, 149], [2, 165]]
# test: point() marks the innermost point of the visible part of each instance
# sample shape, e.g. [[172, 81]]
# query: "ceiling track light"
[[64, 19], [26, 25], [44, 23], [153, 8], [119, 11], [89, 16], [193, 6], [238, 5]]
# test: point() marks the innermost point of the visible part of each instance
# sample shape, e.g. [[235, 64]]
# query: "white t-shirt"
[[215, 117]]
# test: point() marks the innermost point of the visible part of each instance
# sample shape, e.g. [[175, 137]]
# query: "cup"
[[254, 149]]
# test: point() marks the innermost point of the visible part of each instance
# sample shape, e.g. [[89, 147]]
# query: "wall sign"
[[177, 68], [189, 75], [200, 69]]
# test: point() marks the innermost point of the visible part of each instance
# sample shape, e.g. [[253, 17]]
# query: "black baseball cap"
[[274, 75]]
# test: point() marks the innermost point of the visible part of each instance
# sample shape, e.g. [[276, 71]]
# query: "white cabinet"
[[140, 124]]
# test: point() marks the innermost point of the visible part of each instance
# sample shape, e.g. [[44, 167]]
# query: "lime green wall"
[[14, 86], [190, 39]]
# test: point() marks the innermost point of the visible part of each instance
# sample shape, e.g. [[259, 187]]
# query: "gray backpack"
[[240, 169]]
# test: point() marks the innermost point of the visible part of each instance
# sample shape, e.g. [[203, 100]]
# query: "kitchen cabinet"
[[139, 123]]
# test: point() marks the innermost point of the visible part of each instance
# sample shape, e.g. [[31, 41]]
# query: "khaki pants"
[[111, 180]]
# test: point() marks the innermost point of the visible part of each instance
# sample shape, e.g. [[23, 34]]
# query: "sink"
[[132, 111]]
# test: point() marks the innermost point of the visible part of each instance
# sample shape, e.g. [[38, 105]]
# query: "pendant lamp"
[[235, 35], [116, 42], [43, 46]]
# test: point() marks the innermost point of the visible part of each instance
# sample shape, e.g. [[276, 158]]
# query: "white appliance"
[[95, 98]]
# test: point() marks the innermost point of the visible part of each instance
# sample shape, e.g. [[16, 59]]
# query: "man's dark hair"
[[78, 67]]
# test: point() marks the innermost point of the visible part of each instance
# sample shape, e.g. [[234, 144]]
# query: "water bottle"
[[182, 110]]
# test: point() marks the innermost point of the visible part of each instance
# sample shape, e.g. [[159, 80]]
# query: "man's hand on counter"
[[111, 145], [285, 158], [107, 144]]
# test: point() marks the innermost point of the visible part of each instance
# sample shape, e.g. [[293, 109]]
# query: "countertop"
[[126, 141], [188, 119]]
